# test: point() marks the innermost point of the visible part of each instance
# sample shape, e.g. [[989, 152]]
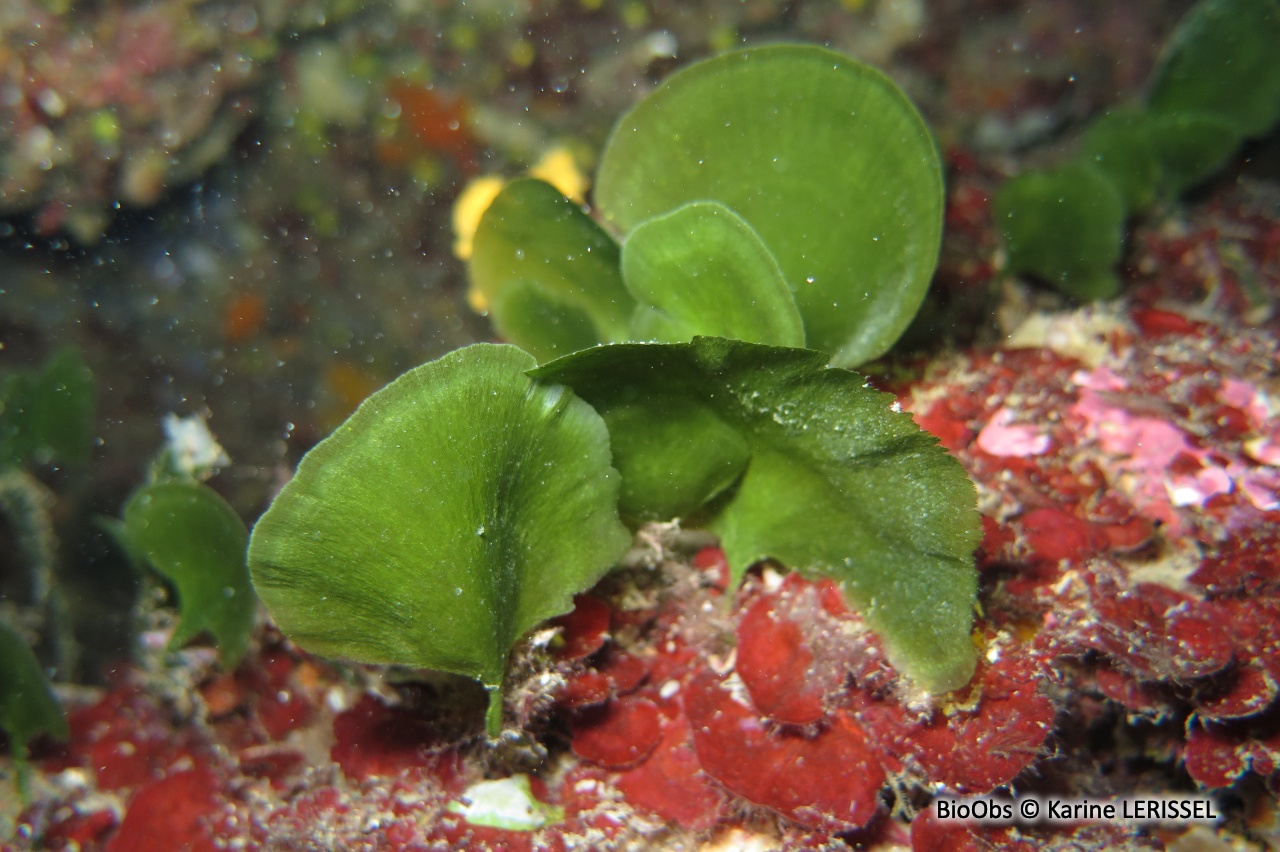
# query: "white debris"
[[507, 803], [191, 448]]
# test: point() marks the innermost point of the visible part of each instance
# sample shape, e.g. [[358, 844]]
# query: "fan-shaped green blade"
[[1223, 61], [674, 464], [28, 705], [458, 507], [702, 270], [1065, 226], [1120, 145], [838, 482], [825, 158], [193, 538], [1192, 147], [533, 235], [545, 326], [46, 415]]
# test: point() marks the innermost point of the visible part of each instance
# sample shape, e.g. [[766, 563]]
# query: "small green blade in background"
[[533, 235], [1066, 226], [1192, 147], [1223, 61], [46, 415], [1119, 143], [838, 482], [825, 158], [194, 539], [1146, 153], [702, 270], [460, 506], [28, 706]]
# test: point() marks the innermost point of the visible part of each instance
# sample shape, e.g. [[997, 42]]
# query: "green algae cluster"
[[764, 219], [785, 195], [1217, 85]]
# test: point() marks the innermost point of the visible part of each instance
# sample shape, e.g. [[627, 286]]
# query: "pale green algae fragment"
[[507, 803]]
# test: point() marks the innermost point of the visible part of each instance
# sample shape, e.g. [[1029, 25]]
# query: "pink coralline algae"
[[1136, 548], [1166, 469], [1002, 437]]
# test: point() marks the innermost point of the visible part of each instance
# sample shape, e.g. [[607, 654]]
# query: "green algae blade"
[[1222, 62], [460, 506], [678, 453], [1066, 226], [825, 158], [544, 324], [28, 706], [46, 415], [702, 270], [534, 239], [1192, 147], [1120, 145], [837, 482], [195, 540]]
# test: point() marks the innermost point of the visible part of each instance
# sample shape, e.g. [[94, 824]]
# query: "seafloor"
[[240, 210]]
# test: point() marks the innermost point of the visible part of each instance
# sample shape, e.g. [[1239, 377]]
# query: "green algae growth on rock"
[[787, 162], [459, 507], [824, 475]]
